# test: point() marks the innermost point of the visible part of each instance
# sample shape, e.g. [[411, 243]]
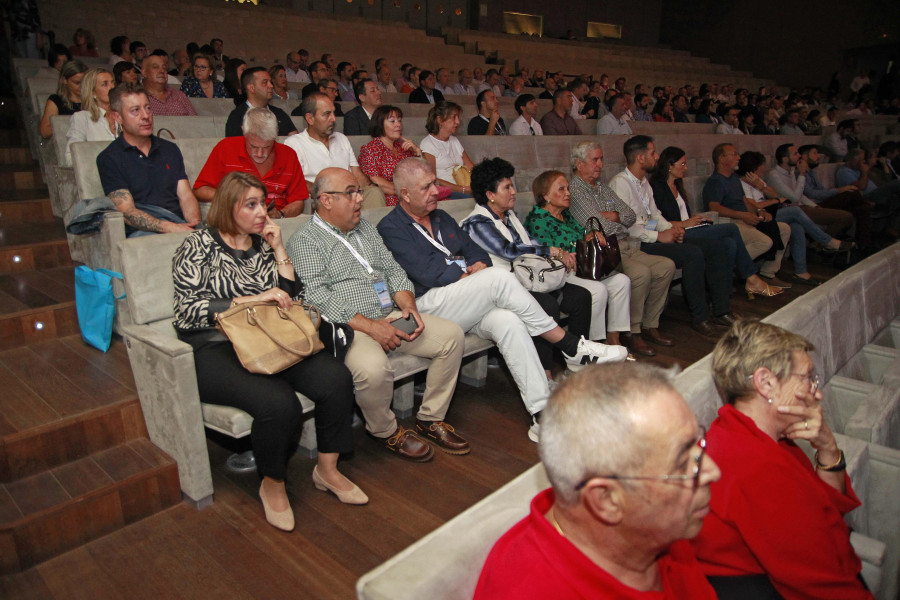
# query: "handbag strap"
[[115, 275], [594, 225], [285, 315]]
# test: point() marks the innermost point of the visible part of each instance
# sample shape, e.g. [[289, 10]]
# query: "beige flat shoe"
[[283, 520], [352, 496]]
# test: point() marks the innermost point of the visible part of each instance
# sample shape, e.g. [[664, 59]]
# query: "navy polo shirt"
[[151, 179], [727, 191]]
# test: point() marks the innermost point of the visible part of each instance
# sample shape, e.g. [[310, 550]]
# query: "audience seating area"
[[853, 321], [676, 67], [163, 366]]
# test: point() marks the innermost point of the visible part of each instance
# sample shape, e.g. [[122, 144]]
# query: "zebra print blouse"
[[208, 274]]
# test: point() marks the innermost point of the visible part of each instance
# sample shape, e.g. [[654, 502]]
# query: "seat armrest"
[[170, 346]]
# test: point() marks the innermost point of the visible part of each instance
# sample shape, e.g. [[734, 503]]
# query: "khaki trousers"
[[373, 377], [758, 243], [650, 279]]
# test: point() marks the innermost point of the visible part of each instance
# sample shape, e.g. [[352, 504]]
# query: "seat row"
[[854, 322]]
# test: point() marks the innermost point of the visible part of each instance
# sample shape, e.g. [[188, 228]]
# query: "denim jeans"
[[801, 226]]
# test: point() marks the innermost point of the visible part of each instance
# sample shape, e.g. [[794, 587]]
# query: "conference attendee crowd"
[[417, 280]]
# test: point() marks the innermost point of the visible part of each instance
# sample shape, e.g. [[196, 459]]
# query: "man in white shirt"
[[464, 87], [730, 126], [319, 146], [659, 237], [384, 80], [614, 123], [527, 107], [443, 81], [789, 180], [295, 68], [579, 90]]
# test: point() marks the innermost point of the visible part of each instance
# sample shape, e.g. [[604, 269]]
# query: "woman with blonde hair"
[[95, 122], [67, 99], [280, 89], [776, 524], [241, 258]]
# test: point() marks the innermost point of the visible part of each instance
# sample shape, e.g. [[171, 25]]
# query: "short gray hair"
[[408, 168], [260, 122], [580, 152], [587, 429]]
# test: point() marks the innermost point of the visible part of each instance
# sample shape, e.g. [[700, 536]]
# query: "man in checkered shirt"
[[352, 278]]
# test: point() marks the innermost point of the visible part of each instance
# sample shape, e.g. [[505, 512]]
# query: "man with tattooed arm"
[[143, 175]]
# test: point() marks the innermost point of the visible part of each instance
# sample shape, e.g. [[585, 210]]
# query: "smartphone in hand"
[[407, 325]]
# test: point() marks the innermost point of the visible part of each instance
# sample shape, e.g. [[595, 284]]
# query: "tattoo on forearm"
[[141, 220], [134, 217], [120, 196]]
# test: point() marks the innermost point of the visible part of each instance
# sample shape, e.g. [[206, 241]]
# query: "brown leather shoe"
[[705, 328], [637, 344], [443, 436], [406, 444], [655, 337], [726, 320]]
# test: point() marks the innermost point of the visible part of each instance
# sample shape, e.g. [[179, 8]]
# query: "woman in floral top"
[[203, 82], [551, 222], [380, 157]]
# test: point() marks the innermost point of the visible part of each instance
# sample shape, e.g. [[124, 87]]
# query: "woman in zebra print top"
[[241, 258]]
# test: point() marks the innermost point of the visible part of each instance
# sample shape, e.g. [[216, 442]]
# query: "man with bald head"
[[352, 278], [295, 68], [631, 484]]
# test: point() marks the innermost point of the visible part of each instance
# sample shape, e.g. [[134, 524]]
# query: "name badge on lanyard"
[[382, 291], [378, 281]]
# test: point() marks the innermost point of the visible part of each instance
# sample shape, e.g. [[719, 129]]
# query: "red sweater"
[[532, 561], [770, 513]]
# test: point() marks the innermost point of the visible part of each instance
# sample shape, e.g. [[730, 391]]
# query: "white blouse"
[[447, 155], [83, 129]]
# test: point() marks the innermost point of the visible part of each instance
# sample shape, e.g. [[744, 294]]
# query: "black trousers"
[[272, 402], [571, 299]]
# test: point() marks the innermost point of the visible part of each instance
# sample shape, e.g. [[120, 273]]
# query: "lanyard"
[[352, 250], [645, 199], [433, 241]]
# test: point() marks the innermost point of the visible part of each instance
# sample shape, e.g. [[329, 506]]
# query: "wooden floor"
[[227, 550]]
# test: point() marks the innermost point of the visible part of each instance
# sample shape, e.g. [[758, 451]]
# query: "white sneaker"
[[594, 353], [534, 432]]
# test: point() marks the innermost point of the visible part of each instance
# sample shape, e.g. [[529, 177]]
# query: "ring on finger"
[[806, 424]]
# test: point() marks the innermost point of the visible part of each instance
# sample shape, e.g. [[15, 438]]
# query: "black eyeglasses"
[[348, 193], [693, 476]]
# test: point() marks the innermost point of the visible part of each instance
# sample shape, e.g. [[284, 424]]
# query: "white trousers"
[[610, 303], [494, 305]]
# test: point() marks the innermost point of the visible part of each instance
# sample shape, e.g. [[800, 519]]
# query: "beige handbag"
[[462, 176], [269, 339]]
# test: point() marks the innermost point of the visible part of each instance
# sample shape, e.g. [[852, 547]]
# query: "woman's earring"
[[771, 400]]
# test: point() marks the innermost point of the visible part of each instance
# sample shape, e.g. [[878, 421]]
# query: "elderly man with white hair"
[[631, 484], [257, 153]]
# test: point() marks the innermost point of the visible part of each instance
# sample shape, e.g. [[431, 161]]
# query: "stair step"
[[10, 154], [11, 137], [36, 209], [63, 400], [48, 513], [36, 325], [21, 176], [30, 246]]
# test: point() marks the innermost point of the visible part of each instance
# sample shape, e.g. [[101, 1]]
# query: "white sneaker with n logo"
[[594, 353]]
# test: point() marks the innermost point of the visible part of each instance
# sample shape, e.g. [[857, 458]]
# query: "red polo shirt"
[[284, 182]]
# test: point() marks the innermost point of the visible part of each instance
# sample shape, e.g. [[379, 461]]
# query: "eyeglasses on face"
[[694, 475], [349, 193]]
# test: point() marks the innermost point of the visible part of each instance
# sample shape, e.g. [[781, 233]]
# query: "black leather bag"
[[593, 259]]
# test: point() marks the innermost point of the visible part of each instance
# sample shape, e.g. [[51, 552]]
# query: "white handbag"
[[539, 273]]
